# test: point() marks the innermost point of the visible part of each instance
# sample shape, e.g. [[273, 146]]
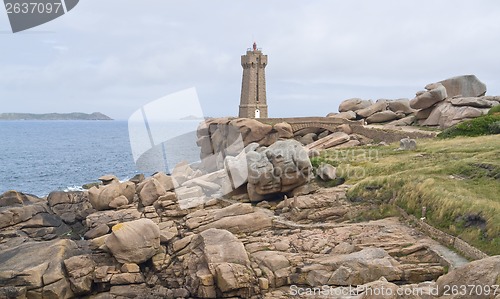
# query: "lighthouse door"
[[257, 113]]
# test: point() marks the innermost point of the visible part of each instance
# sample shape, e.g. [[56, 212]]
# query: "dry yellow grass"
[[457, 180]]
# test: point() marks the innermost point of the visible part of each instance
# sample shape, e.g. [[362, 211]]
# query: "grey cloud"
[[115, 56]]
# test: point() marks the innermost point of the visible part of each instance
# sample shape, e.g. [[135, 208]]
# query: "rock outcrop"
[[349, 115], [101, 197], [433, 94], [220, 249], [280, 168], [356, 268], [442, 104], [354, 105], [237, 218], [381, 117], [329, 141], [232, 135], [464, 86], [483, 275], [223, 138], [218, 265], [151, 189], [452, 101], [246, 222], [446, 114], [234, 154], [70, 206], [27, 217], [80, 270], [35, 269], [381, 111]]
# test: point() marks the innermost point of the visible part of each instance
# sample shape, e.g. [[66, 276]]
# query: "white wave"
[[73, 188], [126, 179]]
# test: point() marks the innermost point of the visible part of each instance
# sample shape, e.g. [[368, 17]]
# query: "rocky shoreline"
[[67, 246], [253, 219]]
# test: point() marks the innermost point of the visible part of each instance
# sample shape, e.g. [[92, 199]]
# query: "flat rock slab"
[[37, 265]]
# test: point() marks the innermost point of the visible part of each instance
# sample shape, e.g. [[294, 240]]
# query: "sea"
[[37, 157]]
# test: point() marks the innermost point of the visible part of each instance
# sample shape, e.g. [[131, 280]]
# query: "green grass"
[[457, 180], [494, 128], [494, 110], [377, 212]]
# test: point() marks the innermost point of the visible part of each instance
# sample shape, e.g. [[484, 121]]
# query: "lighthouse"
[[253, 101]]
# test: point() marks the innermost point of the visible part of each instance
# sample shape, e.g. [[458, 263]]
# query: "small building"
[[253, 101]]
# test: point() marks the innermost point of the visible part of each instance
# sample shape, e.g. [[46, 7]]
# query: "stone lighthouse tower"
[[253, 102]]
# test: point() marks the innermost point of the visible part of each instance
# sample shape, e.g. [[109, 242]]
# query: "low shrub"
[[494, 128], [494, 110], [483, 125]]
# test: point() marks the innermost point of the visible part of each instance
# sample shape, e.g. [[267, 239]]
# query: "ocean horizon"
[[41, 156]]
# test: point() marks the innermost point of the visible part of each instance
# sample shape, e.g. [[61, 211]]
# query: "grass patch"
[[377, 212], [494, 110], [329, 184], [457, 180]]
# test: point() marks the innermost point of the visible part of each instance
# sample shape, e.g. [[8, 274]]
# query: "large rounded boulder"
[[435, 93], [465, 86], [478, 277], [280, 168], [354, 104], [150, 190], [134, 241], [101, 197]]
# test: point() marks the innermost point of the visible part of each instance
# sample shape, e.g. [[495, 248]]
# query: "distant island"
[[54, 116], [191, 117]]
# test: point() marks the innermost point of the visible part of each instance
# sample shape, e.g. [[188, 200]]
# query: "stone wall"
[[460, 245], [468, 250]]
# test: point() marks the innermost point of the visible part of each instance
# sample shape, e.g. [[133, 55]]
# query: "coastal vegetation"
[[455, 182], [483, 125]]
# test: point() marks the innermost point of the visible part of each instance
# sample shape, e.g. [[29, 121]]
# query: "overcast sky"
[[115, 56]]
